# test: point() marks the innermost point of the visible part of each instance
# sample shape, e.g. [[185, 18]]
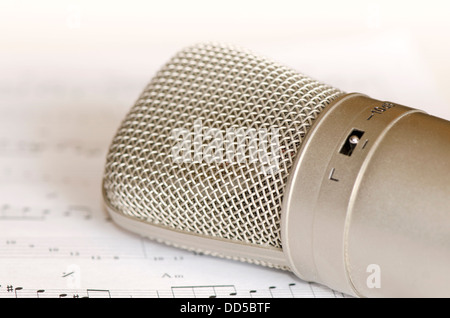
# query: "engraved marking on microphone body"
[[332, 178], [365, 144], [380, 109]]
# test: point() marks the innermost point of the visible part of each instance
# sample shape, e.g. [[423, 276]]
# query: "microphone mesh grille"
[[224, 87]]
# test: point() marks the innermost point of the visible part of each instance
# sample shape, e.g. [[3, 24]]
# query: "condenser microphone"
[[231, 154]]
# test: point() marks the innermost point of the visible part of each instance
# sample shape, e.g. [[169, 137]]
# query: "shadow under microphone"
[[231, 154]]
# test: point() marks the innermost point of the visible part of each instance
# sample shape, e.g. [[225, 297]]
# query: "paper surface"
[[56, 122]]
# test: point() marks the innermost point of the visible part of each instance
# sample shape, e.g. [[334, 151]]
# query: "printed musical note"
[[16, 290], [8, 212], [39, 292], [270, 290], [79, 210], [252, 292]]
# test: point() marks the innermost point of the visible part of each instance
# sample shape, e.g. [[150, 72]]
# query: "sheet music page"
[[56, 122]]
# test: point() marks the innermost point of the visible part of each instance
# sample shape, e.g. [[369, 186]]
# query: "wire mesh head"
[[209, 144]]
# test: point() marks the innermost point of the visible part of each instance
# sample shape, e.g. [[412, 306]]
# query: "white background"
[[325, 39]]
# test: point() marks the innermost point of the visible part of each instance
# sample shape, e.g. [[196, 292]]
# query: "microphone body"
[[233, 155]]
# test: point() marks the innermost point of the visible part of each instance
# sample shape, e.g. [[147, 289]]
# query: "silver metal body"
[[364, 185], [387, 205]]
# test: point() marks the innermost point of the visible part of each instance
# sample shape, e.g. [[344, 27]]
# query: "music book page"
[[58, 114]]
